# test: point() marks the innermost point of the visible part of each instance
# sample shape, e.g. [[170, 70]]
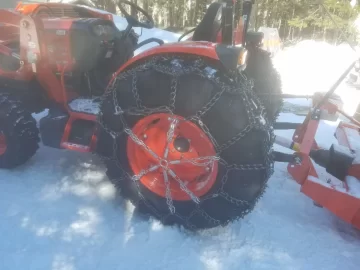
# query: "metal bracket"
[[316, 114]]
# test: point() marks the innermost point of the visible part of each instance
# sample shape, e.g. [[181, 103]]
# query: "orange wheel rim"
[[177, 157], [3, 145]]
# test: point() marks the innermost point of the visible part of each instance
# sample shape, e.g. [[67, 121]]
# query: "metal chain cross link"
[[135, 91], [174, 86]]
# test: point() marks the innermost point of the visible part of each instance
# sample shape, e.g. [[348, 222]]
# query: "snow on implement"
[[185, 129]]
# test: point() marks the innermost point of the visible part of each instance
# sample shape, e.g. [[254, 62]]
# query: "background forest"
[[295, 19]]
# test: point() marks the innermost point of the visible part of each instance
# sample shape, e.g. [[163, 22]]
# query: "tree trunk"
[[314, 32], [171, 13], [195, 14], [184, 14], [146, 5], [111, 6], [289, 33], [252, 24], [133, 10]]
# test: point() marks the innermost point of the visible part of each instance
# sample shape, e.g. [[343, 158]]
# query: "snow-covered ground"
[[314, 67], [59, 212]]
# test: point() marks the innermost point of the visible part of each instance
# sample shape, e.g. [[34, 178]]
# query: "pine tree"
[[294, 19]]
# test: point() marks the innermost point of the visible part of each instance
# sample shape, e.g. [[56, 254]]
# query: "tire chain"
[[244, 91]]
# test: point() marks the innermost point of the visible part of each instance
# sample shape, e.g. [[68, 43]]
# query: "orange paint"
[[198, 48], [3, 144], [152, 130]]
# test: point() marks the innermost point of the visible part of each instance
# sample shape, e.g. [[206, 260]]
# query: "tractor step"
[[85, 105], [76, 147], [80, 134], [52, 127]]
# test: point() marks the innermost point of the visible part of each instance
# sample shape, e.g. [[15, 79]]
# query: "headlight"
[[104, 31], [99, 30]]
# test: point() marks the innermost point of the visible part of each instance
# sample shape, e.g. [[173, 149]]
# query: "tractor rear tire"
[[238, 119], [267, 81], [18, 131]]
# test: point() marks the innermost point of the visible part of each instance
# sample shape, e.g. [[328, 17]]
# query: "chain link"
[[170, 135], [234, 139], [145, 172], [205, 129], [175, 68], [147, 111], [169, 199], [197, 161], [135, 91], [210, 104], [183, 186], [174, 85], [210, 219]]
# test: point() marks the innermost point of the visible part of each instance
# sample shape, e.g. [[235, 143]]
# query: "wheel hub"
[[3, 145], [177, 156]]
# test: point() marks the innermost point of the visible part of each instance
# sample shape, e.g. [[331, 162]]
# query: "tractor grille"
[[59, 12], [65, 12]]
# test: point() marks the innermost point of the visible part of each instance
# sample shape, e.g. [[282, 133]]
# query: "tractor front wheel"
[[184, 143], [19, 135]]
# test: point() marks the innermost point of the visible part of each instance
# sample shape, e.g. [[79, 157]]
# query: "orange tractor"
[[185, 129]]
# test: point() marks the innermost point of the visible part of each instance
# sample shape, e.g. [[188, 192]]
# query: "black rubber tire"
[[267, 81], [236, 191], [20, 130]]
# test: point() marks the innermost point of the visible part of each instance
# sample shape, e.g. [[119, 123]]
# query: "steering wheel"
[[134, 22]]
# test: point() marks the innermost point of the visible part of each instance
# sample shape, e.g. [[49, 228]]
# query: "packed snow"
[[59, 211], [354, 186], [353, 137], [86, 105]]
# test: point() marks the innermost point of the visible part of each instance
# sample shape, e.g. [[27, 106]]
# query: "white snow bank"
[[313, 66]]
